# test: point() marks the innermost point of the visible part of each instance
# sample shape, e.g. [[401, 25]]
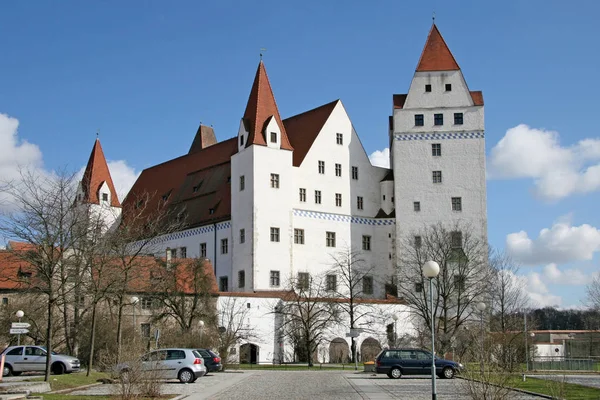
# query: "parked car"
[[211, 360], [186, 365], [398, 362], [19, 359]]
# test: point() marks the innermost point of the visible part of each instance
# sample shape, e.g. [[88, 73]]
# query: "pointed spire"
[[205, 137], [96, 173], [261, 105], [436, 55]]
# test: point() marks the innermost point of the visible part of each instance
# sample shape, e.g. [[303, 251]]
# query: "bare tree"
[[308, 314], [462, 282], [593, 292], [46, 218], [232, 326], [350, 279]]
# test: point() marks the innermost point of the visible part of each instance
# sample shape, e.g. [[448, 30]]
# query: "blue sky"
[[147, 72]]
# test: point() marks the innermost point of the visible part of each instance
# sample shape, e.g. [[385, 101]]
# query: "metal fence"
[[565, 364]]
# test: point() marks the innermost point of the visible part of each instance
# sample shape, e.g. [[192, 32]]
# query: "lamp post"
[[431, 269], [526, 346], [395, 318], [19, 315], [201, 325], [134, 301], [481, 308]]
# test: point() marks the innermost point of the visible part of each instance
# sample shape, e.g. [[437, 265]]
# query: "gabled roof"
[[96, 173], [261, 105], [436, 55], [477, 97], [304, 128], [205, 137], [399, 100]]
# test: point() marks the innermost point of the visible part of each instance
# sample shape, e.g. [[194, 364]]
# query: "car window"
[[421, 355], [34, 351], [407, 355], [197, 353], [15, 352], [175, 355], [391, 354], [204, 353]]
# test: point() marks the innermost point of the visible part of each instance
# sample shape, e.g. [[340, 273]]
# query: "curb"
[[75, 388]]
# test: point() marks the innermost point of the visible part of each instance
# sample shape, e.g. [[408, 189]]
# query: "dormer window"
[[195, 188], [273, 137], [104, 196], [428, 88], [211, 211], [242, 140], [448, 87]]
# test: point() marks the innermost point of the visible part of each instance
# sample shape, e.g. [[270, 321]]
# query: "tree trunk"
[[119, 329], [92, 340], [49, 328], [308, 348], [65, 315]]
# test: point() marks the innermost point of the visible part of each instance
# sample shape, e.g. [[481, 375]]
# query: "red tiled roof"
[[96, 173], [261, 105], [399, 100], [205, 137], [199, 181], [436, 55], [10, 268], [20, 246], [477, 97], [304, 128]]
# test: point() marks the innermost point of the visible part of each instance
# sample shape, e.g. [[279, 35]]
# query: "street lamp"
[[201, 325], [481, 308], [395, 318], [19, 315], [134, 301], [431, 269]]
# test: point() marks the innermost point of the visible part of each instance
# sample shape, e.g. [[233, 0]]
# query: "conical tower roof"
[[436, 55], [96, 173]]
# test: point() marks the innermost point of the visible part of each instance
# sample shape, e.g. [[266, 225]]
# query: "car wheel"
[[7, 371], [186, 376], [395, 373], [448, 373], [16, 373], [58, 368]]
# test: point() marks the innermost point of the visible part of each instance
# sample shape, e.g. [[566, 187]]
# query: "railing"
[[547, 363]]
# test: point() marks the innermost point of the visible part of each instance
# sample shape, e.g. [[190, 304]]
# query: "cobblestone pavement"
[[338, 386], [585, 380]]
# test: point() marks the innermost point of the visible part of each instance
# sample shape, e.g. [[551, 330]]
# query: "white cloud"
[[560, 244], [555, 275], [538, 292], [381, 158], [536, 154]]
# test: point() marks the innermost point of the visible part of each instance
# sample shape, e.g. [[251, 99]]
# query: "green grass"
[[47, 396], [571, 390], [70, 381]]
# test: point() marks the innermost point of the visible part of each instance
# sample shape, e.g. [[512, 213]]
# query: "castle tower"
[[438, 146], [96, 189], [261, 183]]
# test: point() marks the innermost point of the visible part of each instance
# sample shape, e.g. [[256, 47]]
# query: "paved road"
[[585, 380]]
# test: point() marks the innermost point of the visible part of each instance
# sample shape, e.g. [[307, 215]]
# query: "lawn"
[[59, 396], [571, 390], [69, 381]]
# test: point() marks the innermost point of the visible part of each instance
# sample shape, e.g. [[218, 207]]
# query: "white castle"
[[285, 195]]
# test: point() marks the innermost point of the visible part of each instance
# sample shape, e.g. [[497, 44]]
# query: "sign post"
[[354, 333], [18, 328]]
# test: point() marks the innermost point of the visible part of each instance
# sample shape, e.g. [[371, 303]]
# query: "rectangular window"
[[173, 253], [338, 169], [241, 279], [359, 202], [302, 195], [418, 241], [437, 176], [366, 242], [242, 236], [303, 280], [275, 181], [183, 252], [274, 278], [274, 234], [224, 246], [321, 167], [104, 196], [338, 199], [367, 283], [242, 183], [339, 138], [241, 140], [355, 173], [417, 206], [456, 239], [203, 250], [146, 303], [273, 137], [448, 87], [317, 197], [299, 236], [419, 121], [4, 301], [418, 287], [428, 88], [438, 119], [459, 282], [330, 239], [145, 328], [436, 149], [457, 204], [458, 118], [331, 283], [223, 283]]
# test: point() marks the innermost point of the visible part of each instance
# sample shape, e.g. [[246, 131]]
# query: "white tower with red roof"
[[438, 146]]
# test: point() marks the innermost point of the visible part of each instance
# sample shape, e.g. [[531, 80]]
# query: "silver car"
[[187, 365], [20, 359]]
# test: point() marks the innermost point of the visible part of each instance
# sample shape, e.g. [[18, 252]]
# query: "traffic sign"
[[18, 331], [17, 325]]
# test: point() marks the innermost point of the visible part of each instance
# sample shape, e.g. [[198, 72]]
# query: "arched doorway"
[[249, 353], [369, 349], [339, 351]]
